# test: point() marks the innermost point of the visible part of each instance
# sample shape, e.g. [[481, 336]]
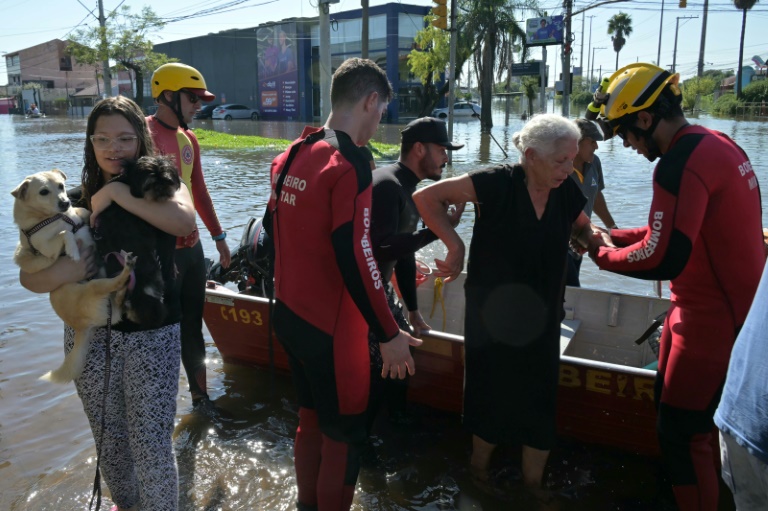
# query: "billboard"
[[544, 31], [278, 71]]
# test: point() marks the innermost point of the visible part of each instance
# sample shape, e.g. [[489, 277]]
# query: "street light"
[[593, 66]]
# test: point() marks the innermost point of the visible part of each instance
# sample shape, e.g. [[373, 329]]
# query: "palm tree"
[[620, 25], [494, 28], [744, 5]]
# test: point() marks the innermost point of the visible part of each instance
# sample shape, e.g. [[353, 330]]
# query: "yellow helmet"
[[177, 76], [635, 87]]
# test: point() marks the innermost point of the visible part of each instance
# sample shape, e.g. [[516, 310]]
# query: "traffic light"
[[683, 3], [441, 11]]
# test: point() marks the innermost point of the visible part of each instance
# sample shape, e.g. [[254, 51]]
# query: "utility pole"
[[543, 80], [325, 60], [451, 75], [589, 48], [105, 51], [567, 59], [700, 72], [364, 45], [593, 67], [581, 49], [677, 27], [661, 25]]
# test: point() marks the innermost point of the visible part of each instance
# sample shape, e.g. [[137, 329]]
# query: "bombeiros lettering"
[[373, 268], [650, 247]]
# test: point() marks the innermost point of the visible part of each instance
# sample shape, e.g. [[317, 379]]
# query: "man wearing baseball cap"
[[396, 238], [178, 90], [588, 175]]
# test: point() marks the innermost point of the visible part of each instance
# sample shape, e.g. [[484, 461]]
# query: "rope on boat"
[[438, 297]]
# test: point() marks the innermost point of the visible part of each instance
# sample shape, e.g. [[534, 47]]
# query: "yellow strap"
[[581, 176], [186, 159], [438, 297]]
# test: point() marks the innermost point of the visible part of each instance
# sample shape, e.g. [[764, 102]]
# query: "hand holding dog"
[[102, 199], [64, 271]]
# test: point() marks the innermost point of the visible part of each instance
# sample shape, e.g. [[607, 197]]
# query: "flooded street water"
[[242, 458]]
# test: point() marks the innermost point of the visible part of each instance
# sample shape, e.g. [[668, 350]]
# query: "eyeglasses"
[[121, 142], [191, 96]]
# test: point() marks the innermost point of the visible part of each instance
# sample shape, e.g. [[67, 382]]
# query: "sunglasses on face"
[[191, 96]]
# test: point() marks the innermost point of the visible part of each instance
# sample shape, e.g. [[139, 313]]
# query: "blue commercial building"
[[275, 67]]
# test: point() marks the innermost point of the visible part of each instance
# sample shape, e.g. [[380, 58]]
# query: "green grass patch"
[[215, 140], [209, 139]]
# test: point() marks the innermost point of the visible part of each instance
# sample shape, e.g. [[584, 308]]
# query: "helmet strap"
[[646, 135], [175, 105]]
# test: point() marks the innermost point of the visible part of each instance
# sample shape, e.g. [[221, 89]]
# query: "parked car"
[[206, 112], [460, 109], [233, 111]]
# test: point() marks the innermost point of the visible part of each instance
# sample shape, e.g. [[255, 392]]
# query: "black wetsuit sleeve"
[[405, 270]]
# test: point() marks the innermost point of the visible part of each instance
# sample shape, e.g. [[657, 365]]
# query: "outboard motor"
[[252, 262]]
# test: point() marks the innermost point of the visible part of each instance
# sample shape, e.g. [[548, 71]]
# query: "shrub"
[[582, 98], [755, 92], [727, 104]]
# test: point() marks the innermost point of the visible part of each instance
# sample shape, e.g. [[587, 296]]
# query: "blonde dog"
[[50, 228]]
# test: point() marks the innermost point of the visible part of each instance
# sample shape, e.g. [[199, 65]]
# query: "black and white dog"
[[117, 230]]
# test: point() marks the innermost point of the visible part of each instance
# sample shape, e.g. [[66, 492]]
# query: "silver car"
[[234, 111]]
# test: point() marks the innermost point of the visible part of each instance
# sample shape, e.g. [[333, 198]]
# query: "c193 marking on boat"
[[247, 317]]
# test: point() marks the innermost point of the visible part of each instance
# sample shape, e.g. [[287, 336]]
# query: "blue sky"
[[43, 20]]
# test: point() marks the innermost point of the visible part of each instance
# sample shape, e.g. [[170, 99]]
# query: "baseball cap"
[[428, 130], [588, 129]]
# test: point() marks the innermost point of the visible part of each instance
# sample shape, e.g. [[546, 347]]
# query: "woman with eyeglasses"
[[178, 90], [132, 421]]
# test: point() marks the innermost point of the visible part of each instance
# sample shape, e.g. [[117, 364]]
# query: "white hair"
[[542, 132]]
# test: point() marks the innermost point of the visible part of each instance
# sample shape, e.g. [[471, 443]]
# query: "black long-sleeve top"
[[394, 228]]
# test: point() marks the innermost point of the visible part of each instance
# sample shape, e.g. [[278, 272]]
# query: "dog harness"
[[59, 216]]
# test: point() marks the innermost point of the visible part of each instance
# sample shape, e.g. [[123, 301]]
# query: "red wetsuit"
[[704, 235], [182, 146], [328, 292]]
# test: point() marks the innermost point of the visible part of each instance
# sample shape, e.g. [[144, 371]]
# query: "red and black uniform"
[[182, 145], [704, 235], [328, 292]]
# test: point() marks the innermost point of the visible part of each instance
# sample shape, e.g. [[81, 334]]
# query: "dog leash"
[[97, 480], [58, 216]]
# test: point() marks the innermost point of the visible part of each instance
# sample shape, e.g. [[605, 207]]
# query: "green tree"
[[619, 25], [127, 44], [428, 61], [530, 87], [744, 5], [696, 87]]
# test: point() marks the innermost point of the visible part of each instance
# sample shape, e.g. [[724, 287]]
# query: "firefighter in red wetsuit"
[[703, 235], [178, 90], [328, 287]]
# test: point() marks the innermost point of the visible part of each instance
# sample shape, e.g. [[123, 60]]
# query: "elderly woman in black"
[[525, 216]]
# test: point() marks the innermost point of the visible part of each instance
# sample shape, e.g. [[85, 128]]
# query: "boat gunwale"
[[227, 293]]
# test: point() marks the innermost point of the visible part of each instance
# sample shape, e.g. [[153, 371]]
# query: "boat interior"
[[599, 326]]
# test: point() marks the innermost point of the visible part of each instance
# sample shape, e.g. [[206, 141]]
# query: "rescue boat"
[[606, 382]]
